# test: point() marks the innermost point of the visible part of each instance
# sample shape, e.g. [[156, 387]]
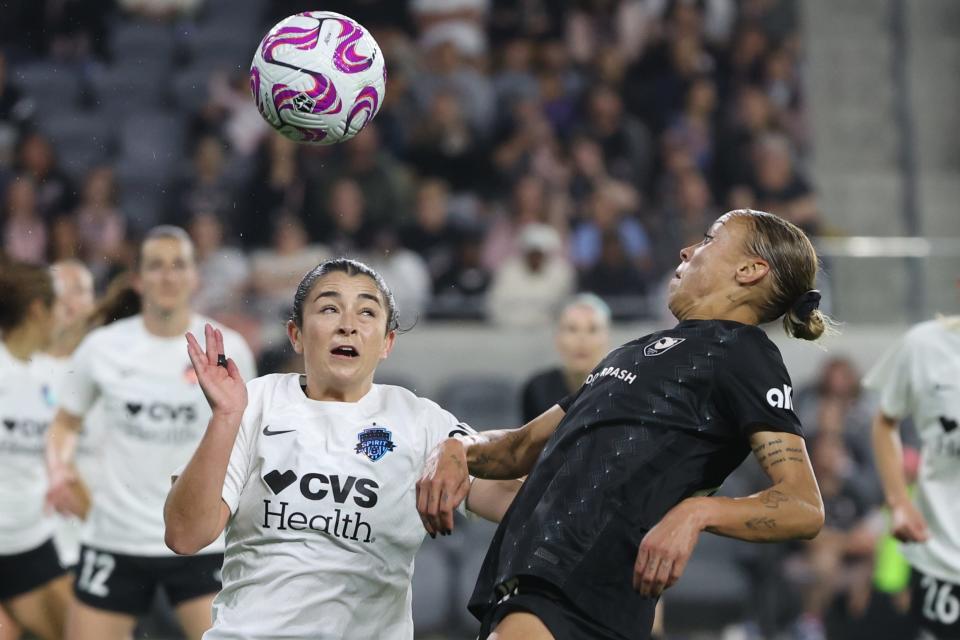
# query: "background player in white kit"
[[34, 588], [314, 476], [74, 303], [154, 413], [920, 378]]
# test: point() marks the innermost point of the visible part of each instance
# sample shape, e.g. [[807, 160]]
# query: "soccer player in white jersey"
[[919, 378], [314, 476], [153, 417], [34, 588], [74, 303]]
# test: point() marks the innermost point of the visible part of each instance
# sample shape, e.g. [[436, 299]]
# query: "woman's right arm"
[[504, 454], [908, 523], [195, 512], [66, 492]]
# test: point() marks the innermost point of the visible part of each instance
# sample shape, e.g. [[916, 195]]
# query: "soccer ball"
[[318, 77]]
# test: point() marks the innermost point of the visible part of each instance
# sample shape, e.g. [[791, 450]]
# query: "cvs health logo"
[[319, 487], [160, 411], [781, 398]]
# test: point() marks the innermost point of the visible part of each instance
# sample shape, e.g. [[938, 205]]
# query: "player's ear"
[[752, 270], [293, 333], [388, 343]]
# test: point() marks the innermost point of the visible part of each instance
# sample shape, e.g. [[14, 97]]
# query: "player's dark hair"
[[20, 285], [120, 301], [351, 268], [793, 267], [167, 231]]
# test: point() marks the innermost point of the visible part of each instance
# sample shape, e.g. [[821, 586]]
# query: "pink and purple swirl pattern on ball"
[[309, 135], [368, 100], [345, 56], [299, 37], [255, 88]]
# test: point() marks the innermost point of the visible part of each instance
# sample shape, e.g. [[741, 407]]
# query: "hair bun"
[[806, 304]]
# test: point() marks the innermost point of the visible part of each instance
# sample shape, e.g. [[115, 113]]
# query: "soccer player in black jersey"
[[621, 473]]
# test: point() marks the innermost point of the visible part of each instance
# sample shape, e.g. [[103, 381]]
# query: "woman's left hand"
[[666, 549]]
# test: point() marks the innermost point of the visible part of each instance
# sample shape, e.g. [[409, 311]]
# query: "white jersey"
[[324, 524], [25, 412], [69, 530], [154, 415], [920, 377]]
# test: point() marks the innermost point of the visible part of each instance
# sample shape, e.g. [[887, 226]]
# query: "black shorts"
[[127, 584], [548, 603], [935, 605], [21, 573]]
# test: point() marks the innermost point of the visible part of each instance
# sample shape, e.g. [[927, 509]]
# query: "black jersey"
[[660, 419], [542, 391]]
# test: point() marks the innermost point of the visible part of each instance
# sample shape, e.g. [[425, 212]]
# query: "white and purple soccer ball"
[[318, 77]]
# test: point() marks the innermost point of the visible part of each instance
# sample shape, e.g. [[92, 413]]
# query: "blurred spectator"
[[560, 85], [347, 211], [224, 270], [514, 80], [530, 203], [24, 229], [779, 187], [592, 24], [15, 110], [607, 213], [836, 403], [77, 29], [530, 146], [101, 226], [384, 182], [431, 233], [444, 145], [160, 10], [693, 128], [404, 271], [751, 118], [460, 291], [56, 194], [276, 184], [275, 272], [529, 287], [447, 71], [205, 186], [460, 22], [64, 242], [230, 114], [657, 82], [685, 219], [616, 279], [835, 569], [625, 141], [581, 339]]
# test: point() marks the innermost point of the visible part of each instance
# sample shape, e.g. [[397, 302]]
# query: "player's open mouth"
[[345, 351]]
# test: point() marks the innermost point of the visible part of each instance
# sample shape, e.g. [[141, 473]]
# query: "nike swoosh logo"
[[267, 432]]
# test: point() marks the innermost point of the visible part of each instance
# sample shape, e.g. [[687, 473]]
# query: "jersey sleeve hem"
[[753, 427]]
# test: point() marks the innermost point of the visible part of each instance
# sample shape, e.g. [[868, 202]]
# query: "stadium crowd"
[[525, 150]]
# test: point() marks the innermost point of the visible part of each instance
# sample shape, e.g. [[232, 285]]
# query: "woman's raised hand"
[[219, 377]]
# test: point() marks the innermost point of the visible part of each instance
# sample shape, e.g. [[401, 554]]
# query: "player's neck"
[[21, 342], [316, 390], [166, 324], [715, 309]]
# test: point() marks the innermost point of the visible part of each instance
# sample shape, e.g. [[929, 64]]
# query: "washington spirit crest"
[[375, 442]]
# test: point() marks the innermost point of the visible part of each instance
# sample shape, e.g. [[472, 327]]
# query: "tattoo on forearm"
[[496, 457], [771, 499], [761, 524]]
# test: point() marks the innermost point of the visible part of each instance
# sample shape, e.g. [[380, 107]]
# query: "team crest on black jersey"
[[375, 442], [661, 346]]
